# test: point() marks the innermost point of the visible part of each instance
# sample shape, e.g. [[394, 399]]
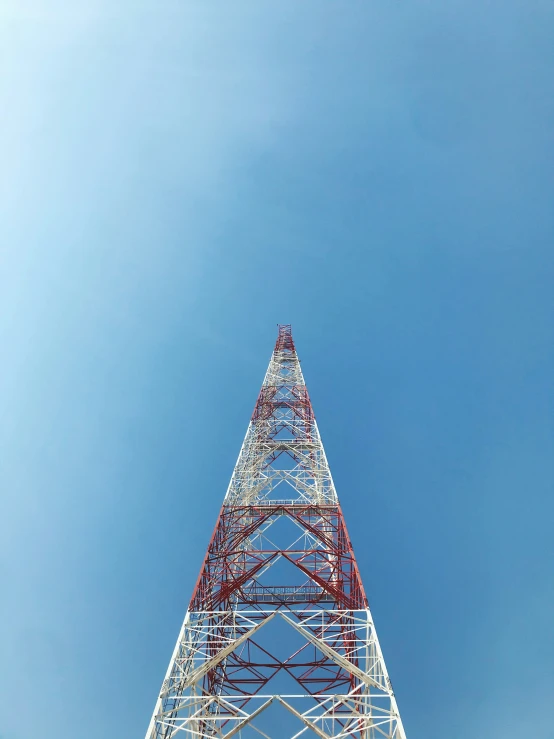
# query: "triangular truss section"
[[279, 619]]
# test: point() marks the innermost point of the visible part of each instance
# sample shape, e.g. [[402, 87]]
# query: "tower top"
[[282, 456], [284, 339]]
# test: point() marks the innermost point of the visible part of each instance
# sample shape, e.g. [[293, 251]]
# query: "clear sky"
[[178, 177]]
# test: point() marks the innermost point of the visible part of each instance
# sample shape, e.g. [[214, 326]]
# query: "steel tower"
[[278, 640]]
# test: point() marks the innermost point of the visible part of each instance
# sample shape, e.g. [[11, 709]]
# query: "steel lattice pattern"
[[279, 602]]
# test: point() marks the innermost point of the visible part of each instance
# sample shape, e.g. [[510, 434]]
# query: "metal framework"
[[279, 601]]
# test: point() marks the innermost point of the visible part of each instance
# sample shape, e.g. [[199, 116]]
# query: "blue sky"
[[179, 177]]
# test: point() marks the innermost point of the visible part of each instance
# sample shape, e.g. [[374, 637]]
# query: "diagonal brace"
[[197, 674], [333, 655]]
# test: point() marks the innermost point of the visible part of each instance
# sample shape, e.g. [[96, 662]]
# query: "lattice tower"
[[278, 640]]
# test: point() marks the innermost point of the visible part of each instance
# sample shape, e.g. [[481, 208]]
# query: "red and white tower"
[[278, 640]]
